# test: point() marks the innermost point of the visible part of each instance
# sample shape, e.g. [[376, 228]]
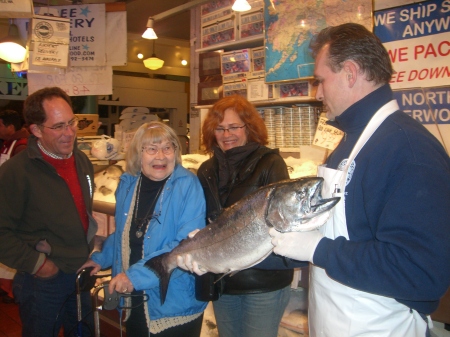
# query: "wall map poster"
[[290, 25]]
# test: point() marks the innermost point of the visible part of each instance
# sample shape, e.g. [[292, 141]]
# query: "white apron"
[[336, 310], [5, 156]]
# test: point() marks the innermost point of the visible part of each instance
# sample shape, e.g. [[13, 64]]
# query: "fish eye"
[[301, 194]]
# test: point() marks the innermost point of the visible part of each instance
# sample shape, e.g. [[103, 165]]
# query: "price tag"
[[326, 135]]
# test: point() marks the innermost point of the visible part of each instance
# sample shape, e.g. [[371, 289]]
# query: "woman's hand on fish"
[[296, 245], [185, 262], [192, 234]]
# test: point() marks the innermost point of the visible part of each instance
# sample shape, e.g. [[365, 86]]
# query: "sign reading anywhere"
[[49, 41], [417, 38]]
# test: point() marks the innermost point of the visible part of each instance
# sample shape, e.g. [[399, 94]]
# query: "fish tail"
[[156, 264]]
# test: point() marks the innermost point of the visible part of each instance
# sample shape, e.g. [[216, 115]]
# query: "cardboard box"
[[87, 125], [257, 58], [239, 88], [293, 89], [235, 77], [214, 6], [251, 23], [215, 16], [209, 64], [258, 90], [219, 33], [237, 61], [209, 92]]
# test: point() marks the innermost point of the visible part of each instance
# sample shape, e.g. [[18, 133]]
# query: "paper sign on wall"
[[327, 136], [75, 81], [49, 41]]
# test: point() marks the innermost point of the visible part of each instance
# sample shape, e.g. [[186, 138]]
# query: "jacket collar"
[[358, 115]]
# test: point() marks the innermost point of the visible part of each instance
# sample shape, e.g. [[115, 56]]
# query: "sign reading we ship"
[[417, 38], [87, 34]]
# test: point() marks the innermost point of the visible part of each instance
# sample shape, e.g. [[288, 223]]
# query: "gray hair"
[[150, 133]]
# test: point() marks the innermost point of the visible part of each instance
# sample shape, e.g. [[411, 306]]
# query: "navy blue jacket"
[[397, 206]]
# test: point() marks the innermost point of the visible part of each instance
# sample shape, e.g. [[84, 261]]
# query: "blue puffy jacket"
[[183, 210]]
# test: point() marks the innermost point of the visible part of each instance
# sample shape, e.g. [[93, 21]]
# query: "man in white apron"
[[381, 261]]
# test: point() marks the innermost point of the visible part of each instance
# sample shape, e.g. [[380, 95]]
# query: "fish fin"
[[231, 273], [156, 265]]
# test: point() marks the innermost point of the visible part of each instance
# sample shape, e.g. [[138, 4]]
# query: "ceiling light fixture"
[[150, 33], [140, 56], [12, 48], [241, 6], [153, 62], [184, 62]]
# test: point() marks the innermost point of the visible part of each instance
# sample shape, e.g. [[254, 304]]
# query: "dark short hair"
[[11, 117], [255, 127], [33, 108], [352, 41]]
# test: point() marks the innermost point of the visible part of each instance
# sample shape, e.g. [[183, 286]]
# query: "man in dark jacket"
[[46, 225], [381, 262]]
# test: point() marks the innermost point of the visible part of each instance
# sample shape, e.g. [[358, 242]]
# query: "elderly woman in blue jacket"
[[158, 202]]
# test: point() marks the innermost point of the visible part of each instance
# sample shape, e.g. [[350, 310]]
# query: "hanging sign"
[[87, 34], [49, 41], [75, 81], [327, 136], [417, 38]]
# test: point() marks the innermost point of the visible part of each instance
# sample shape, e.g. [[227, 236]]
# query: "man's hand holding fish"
[[299, 245]]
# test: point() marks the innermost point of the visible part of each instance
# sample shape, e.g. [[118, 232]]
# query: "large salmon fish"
[[239, 238]]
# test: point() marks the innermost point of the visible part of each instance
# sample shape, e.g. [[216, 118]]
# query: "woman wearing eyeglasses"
[[252, 301], [158, 202]]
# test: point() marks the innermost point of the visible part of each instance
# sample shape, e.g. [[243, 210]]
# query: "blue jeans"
[[251, 315], [47, 304]]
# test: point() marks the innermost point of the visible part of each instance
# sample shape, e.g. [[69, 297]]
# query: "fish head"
[[294, 204]]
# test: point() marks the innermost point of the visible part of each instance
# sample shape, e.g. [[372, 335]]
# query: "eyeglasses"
[[231, 129], [152, 150], [73, 123]]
